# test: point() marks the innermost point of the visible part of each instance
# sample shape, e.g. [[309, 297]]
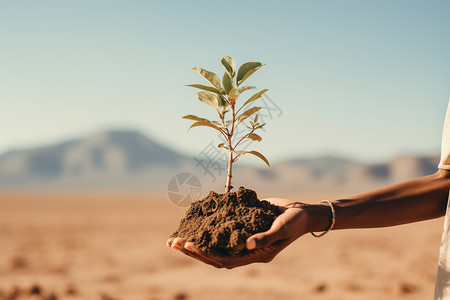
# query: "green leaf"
[[256, 153], [223, 111], [210, 76], [243, 88], [246, 114], [229, 65], [240, 152], [260, 126], [195, 118], [208, 98], [205, 87], [255, 137], [220, 102], [254, 97], [205, 123], [232, 93], [227, 82], [246, 70]]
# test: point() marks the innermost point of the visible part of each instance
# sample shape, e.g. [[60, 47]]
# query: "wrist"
[[319, 217]]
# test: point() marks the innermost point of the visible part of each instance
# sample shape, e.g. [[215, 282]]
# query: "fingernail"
[[251, 244], [176, 247]]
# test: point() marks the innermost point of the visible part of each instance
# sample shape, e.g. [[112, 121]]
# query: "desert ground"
[[113, 246]]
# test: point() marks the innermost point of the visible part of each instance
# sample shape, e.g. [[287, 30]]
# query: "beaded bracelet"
[[333, 220]]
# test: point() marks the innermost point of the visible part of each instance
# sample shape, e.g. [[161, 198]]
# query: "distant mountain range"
[[115, 159], [129, 160]]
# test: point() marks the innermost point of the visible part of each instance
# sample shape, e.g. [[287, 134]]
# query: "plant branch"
[[245, 136], [223, 133]]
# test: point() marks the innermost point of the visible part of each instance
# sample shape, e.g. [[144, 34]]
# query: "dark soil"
[[220, 224]]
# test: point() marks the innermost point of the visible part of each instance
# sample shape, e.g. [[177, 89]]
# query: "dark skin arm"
[[411, 201]]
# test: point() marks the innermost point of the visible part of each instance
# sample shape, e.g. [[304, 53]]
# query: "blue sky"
[[367, 80]]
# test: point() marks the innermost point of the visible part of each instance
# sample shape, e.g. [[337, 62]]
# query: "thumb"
[[264, 239]]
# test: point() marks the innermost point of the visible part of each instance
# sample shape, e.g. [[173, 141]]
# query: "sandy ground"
[[102, 246]]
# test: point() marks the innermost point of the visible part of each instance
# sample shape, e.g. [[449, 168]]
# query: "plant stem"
[[230, 146], [229, 174]]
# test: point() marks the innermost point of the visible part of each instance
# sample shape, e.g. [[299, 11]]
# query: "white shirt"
[[442, 288]]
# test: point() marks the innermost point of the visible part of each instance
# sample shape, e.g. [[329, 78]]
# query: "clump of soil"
[[219, 224]]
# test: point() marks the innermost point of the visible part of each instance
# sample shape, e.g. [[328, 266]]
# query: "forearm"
[[411, 201]]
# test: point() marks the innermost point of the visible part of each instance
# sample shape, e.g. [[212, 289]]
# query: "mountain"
[[329, 174], [130, 160], [97, 160]]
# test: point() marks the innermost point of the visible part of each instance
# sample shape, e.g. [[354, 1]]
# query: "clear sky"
[[367, 80]]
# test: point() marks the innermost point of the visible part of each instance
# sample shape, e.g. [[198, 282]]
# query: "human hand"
[[264, 246]]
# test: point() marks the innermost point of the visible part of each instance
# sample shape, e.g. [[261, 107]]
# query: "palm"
[[280, 236]]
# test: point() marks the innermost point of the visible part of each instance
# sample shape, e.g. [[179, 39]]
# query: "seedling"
[[223, 96]]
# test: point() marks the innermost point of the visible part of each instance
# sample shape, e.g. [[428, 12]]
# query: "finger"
[[200, 255], [279, 203], [206, 261], [264, 239], [261, 255], [169, 241], [217, 261], [188, 253], [178, 243]]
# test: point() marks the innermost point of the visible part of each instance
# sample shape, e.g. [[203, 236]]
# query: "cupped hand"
[[263, 246]]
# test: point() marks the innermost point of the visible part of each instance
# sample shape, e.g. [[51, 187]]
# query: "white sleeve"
[[445, 152]]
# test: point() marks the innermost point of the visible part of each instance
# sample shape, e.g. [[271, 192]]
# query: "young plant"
[[223, 96]]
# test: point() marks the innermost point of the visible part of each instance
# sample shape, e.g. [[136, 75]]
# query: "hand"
[[264, 246]]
